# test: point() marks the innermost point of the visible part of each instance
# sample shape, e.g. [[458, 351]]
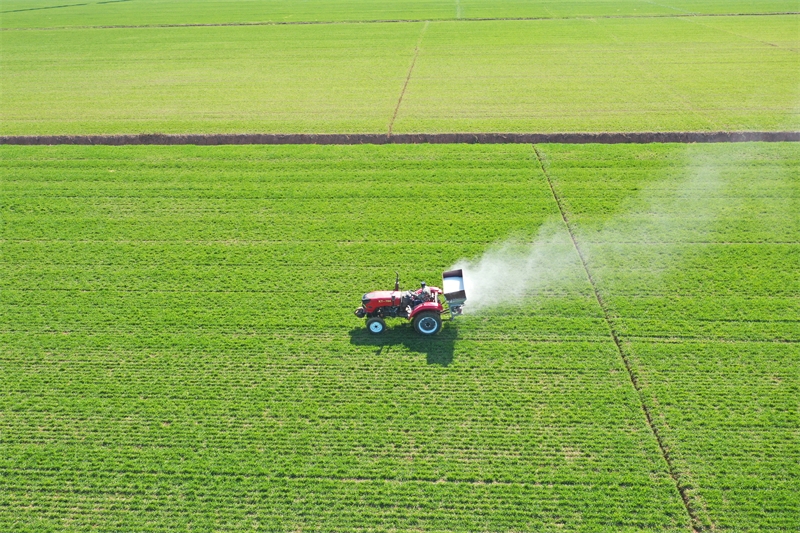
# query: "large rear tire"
[[428, 323], [376, 325]]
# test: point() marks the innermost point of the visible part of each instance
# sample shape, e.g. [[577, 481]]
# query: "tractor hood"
[[381, 295]]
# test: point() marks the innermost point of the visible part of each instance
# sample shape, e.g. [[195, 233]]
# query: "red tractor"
[[422, 306]]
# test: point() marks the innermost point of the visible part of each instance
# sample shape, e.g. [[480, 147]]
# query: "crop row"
[[556, 315], [613, 257], [744, 279], [153, 501]]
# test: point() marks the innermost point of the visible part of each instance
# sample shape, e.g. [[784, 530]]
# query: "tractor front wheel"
[[428, 323], [376, 325]]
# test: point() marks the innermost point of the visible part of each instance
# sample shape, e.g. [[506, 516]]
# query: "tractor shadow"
[[438, 349]]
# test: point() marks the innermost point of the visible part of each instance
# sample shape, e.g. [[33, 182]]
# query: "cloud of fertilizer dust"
[[514, 269], [666, 211]]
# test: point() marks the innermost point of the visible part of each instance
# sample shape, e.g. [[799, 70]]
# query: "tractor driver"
[[425, 293]]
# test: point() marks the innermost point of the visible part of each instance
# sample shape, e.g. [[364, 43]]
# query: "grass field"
[[576, 74], [179, 350]]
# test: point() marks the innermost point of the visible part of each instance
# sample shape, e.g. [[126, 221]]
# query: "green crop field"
[[179, 351], [578, 70], [177, 342], [76, 13]]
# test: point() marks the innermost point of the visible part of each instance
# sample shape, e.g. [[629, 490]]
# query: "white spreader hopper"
[[453, 289]]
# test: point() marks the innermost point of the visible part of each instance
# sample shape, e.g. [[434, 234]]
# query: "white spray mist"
[[514, 269], [669, 212]]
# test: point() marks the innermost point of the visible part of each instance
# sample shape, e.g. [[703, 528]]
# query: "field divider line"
[[217, 139], [694, 520], [408, 77], [392, 21]]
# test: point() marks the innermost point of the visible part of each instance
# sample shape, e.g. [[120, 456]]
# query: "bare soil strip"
[[410, 138], [696, 523], [394, 21]]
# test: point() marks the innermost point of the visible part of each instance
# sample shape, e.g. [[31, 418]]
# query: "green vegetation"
[[178, 345], [71, 13], [696, 253], [653, 74], [176, 335], [605, 75], [282, 78]]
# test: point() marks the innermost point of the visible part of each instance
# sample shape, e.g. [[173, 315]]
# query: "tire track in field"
[[390, 21], [215, 139], [408, 77], [696, 523]]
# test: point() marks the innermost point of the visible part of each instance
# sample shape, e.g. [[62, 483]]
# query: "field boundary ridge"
[[408, 138]]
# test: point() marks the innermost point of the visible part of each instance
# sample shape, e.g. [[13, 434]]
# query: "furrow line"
[[408, 78], [673, 471]]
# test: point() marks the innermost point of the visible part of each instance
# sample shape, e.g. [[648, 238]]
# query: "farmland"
[[46, 14], [179, 351], [699, 274], [177, 342], [558, 74]]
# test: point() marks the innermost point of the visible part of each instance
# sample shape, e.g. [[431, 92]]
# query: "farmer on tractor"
[[421, 306], [424, 294]]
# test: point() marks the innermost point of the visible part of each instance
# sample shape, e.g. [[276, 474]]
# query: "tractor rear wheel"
[[428, 323], [376, 325]]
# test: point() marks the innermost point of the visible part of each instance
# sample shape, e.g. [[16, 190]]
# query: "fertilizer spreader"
[[422, 306]]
